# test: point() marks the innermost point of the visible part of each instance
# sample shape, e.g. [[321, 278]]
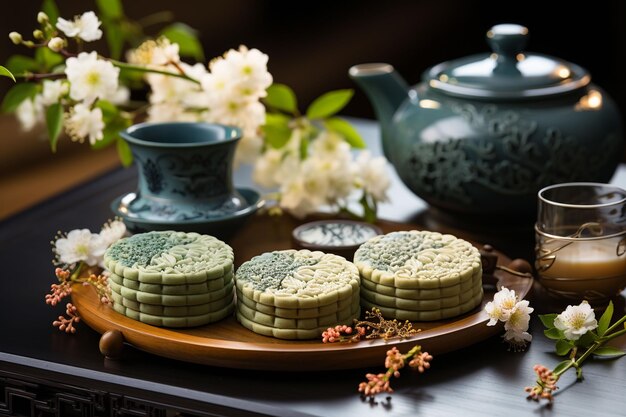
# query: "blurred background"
[[311, 45]]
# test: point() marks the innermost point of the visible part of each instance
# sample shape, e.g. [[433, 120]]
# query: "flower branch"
[[575, 330], [305, 155], [76, 255], [381, 383]]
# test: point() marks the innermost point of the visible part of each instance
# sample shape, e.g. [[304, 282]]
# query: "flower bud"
[[15, 37], [37, 34], [42, 18], [56, 44]]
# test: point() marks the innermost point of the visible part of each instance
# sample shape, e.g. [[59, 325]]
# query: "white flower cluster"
[[228, 93], [515, 313], [89, 78], [328, 176], [575, 321], [80, 245]]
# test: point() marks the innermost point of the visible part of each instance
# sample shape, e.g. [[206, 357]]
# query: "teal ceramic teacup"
[[185, 173]]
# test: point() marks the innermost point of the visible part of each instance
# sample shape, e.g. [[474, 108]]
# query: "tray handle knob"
[[112, 344]]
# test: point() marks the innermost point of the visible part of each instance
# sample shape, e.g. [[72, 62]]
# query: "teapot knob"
[[507, 41]]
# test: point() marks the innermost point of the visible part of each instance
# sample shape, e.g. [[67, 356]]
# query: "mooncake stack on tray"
[[294, 294], [171, 279], [419, 275]]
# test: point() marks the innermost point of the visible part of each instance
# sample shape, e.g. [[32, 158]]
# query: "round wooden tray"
[[228, 344]]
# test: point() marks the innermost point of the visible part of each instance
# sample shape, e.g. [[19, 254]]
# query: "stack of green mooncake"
[[294, 294], [171, 279], [419, 275]]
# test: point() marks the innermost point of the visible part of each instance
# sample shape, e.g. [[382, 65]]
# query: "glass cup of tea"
[[581, 240]]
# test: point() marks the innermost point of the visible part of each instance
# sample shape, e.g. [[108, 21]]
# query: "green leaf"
[[114, 124], [17, 94], [187, 39], [281, 97], [124, 152], [605, 320], [6, 73], [109, 111], [47, 59], [548, 320], [276, 136], [19, 64], [586, 340], [276, 119], [561, 365], [346, 130], [609, 351], [554, 334], [50, 8], [328, 104], [115, 40], [110, 9], [54, 121], [563, 347]]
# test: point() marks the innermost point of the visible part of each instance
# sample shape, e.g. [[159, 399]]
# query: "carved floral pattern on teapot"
[[507, 160]]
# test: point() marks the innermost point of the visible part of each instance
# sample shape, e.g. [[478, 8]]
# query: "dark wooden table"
[[46, 372]]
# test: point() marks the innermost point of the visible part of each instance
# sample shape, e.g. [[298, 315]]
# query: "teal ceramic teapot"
[[482, 135]]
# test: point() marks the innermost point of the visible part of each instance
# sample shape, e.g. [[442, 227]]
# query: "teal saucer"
[[143, 219]]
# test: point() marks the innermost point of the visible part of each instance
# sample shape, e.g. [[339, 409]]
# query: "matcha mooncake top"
[[297, 279], [169, 253], [410, 258]]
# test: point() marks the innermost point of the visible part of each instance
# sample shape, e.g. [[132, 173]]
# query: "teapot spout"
[[386, 90]]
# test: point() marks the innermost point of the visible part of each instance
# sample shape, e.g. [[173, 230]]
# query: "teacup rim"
[[127, 134], [580, 206]]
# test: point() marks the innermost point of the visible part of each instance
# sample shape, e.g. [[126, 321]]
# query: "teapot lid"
[[508, 72]]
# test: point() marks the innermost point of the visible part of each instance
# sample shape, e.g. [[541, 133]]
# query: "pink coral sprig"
[[545, 386], [343, 333], [66, 324], [394, 361], [60, 290], [101, 283]]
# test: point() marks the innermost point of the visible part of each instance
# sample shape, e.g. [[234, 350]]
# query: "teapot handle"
[[507, 41]]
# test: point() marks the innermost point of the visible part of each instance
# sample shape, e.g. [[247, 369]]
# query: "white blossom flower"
[[42, 18], [502, 306], [329, 144], [80, 245], [90, 78], [165, 52], [294, 197], [266, 168], [159, 52], [53, 91], [372, 175], [82, 122], [112, 232], [16, 37], [30, 112], [519, 319], [86, 27], [246, 71], [517, 339], [56, 44], [119, 96], [575, 321], [166, 112], [336, 169]]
